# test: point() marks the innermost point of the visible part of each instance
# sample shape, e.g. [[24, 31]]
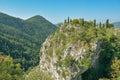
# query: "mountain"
[[43, 27], [22, 39], [117, 24], [79, 50]]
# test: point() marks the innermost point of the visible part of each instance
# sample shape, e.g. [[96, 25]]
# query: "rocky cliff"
[[73, 50]]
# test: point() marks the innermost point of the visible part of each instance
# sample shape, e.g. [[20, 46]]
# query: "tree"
[[103, 25], [65, 21], [115, 68], [75, 21], [9, 70], [94, 23], [82, 22], [107, 23], [100, 25], [68, 20], [110, 26]]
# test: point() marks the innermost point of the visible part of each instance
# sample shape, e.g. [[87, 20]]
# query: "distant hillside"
[[117, 24], [22, 39], [43, 27]]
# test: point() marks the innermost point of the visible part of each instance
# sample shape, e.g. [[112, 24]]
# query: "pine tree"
[[103, 25], [94, 23], [107, 23], [100, 25], [65, 21], [82, 21], [68, 20]]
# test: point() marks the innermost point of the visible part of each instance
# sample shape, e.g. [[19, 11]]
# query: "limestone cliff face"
[[78, 50], [70, 52]]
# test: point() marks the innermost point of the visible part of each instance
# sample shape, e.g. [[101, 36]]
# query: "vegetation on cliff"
[[77, 34]]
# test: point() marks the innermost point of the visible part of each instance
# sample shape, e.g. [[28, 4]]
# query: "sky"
[[57, 10]]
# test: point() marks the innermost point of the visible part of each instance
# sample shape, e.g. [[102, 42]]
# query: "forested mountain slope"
[[22, 39]]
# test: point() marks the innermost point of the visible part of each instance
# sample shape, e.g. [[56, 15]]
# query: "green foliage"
[[108, 25], [59, 51], [50, 51], [118, 78], [59, 63], [85, 62], [22, 39], [88, 24], [68, 20], [94, 23], [65, 73], [115, 68], [82, 22], [108, 65], [100, 25], [75, 21], [68, 61], [84, 34], [9, 70], [37, 74], [111, 26], [65, 21]]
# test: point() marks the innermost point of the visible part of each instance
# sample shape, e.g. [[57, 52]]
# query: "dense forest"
[[21, 39]]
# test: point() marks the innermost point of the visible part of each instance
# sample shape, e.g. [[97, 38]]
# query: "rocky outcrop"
[[76, 68], [74, 59], [78, 52]]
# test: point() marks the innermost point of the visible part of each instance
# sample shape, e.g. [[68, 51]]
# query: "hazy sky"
[[57, 10]]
